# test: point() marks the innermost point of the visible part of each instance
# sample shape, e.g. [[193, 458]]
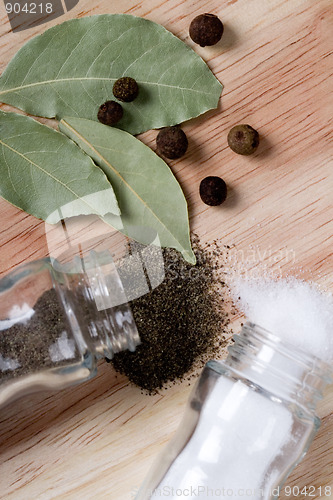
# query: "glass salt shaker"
[[57, 320], [249, 421]]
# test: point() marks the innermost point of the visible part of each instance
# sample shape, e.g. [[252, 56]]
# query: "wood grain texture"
[[275, 61]]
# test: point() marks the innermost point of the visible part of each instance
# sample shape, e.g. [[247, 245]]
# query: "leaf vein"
[[39, 56], [9, 174], [47, 173], [73, 79], [144, 204]]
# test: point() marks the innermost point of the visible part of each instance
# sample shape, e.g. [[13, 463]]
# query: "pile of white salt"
[[294, 310], [240, 432]]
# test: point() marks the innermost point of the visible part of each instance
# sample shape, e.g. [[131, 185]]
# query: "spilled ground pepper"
[[182, 323], [29, 343]]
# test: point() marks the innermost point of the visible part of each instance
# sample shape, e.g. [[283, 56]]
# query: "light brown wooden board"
[[275, 61]]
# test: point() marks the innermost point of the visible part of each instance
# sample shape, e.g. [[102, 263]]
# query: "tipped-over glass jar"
[[57, 320], [249, 421]]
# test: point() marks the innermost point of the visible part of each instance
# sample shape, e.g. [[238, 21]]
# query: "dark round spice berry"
[[243, 139], [172, 142], [110, 113], [125, 89], [213, 191], [206, 29]]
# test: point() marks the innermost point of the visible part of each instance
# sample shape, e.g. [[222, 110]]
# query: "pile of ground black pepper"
[[182, 323], [27, 343]]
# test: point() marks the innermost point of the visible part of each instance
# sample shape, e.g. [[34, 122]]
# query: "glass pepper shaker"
[[57, 320], [249, 421]]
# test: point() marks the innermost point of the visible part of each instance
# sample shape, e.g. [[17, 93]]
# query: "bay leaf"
[[70, 69], [149, 196], [45, 174]]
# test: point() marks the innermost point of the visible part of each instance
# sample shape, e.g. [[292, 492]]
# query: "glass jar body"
[[51, 330], [238, 438]]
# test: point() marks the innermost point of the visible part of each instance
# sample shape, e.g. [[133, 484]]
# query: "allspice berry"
[[206, 29], [125, 89], [243, 139], [172, 142], [110, 113], [213, 191]]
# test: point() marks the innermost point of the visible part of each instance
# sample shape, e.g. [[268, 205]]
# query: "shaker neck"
[[286, 371], [96, 304]]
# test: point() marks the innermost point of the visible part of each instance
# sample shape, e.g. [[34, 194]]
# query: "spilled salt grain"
[[292, 309]]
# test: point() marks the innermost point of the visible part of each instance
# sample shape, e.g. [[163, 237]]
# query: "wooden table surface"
[[275, 61]]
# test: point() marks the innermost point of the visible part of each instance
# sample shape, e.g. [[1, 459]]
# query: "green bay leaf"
[[70, 69], [45, 174], [149, 196]]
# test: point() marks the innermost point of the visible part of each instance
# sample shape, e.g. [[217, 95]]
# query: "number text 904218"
[[29, 8]]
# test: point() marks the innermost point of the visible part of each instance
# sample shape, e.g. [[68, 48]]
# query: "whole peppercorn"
[[206, 29], [172, 142], [125, 89], [243, 139], [110, 113], [213, 191]]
